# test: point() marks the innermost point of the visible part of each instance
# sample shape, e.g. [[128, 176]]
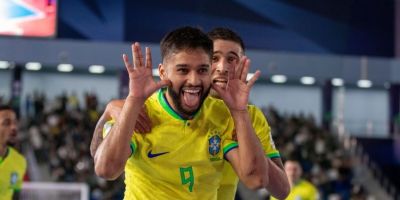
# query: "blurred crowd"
[[59, 133], [325, 163]]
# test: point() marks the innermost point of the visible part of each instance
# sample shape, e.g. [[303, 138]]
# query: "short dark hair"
[[185, 38], [226, 34], [5, 107]]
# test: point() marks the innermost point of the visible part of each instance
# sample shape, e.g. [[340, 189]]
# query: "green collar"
[[167, 107], [5, 156]]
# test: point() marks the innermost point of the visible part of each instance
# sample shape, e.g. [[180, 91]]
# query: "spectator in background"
[[300, 188], [12, 163]]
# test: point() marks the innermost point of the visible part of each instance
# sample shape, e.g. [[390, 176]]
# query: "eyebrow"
[[186, 66], [230, 52]]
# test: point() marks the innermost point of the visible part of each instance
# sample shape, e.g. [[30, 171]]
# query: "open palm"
[[237, 91], [141, 81]]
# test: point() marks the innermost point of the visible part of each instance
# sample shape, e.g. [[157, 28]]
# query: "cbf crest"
[[13, 178], [214, 145]]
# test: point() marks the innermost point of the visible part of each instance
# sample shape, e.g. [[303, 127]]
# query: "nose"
[[14, 126], [222, 67], [194, 79]]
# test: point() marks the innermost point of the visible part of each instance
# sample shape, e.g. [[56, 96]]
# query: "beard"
[[178, 103]]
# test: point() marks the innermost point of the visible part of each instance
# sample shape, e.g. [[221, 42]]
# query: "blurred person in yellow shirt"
[[301, 189], [12, 163]]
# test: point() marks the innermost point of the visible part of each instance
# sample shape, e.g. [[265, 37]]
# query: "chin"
[[214, 94]]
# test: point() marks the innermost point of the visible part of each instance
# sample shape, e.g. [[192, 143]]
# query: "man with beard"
[[12, 163], [183, 155]]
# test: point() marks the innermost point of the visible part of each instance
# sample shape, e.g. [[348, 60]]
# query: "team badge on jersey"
[[214, 145], [13, 178]]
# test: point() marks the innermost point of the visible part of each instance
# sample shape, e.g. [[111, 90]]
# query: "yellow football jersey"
[[230, 180], [303, 190], [12, 171], [179, 159]]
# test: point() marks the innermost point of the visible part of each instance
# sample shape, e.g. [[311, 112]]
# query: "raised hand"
[[141, 82], [237, 91]]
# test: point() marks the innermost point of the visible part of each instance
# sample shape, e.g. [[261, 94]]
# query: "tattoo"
[[97, 136]]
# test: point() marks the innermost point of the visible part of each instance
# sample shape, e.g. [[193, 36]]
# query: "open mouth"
[[220, 82], [191, 97]]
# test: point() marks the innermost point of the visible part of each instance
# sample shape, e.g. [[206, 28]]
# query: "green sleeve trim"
[[230, 147], [133, 148], [274, 155]]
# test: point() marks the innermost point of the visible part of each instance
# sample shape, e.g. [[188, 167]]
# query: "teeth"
[[219, 81], [192, 91]]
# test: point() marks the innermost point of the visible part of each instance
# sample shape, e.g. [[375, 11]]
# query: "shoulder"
[[309, 185], [17, 157], [255, 112], [214, 105], [154, 101]]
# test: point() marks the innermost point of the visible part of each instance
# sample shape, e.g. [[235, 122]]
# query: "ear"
[[162, 71]]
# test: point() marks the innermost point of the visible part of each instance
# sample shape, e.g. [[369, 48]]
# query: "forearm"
[[97, 136], [114, 151], [252, 166], [278, 184]]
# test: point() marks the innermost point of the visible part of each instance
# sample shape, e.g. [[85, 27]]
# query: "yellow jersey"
[[12, 171], [229, 182], [302, 190], [179, 159]]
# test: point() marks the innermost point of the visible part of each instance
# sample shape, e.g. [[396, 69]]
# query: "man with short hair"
[[183, 155], [228, 50], [300, 188], [12, 163]]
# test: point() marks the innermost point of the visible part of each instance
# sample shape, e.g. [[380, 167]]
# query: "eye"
[[182, 70], [203, 70], [215, 58], [232, 59]]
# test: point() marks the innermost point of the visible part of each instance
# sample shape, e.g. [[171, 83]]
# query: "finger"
[[128, 65], [148, 58], [137, 55], [245, 70], [239, 68], [253, 79], [232, 72]]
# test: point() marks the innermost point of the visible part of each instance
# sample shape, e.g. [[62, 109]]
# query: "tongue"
[[190, 99]]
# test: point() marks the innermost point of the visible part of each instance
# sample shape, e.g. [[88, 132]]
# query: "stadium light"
[[364, 83], [307, 80], [96, 69], [65, 67], [33, 66], [278, 79], [338, 82], [4, 64]]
